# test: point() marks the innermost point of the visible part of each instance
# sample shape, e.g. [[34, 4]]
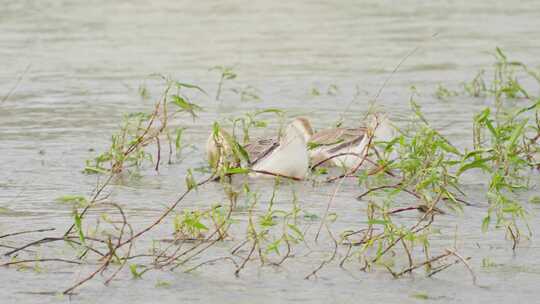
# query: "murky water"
[[86, 60]]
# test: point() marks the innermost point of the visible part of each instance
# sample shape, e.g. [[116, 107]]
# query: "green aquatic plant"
[[503, 150], [247, 93], [506, 79], [422, 171], [477, 86], [188, 224], [75, 200], [315, 92], [226, 74], [444, 93], [255, 119], [143, 92], [139, 130]]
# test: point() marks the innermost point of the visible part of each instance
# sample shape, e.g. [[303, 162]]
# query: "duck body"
[[347, 147], [285, 156], [331, 143]]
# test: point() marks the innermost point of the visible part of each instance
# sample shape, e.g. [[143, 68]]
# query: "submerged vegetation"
[[419, 172]]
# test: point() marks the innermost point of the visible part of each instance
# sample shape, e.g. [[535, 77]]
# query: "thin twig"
[[410, 269], [325, 262], [41, 260], [25, 232], [464, 261], [19, 79], [211, 261]]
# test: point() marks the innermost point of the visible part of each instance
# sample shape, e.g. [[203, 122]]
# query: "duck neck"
[[293, 138]]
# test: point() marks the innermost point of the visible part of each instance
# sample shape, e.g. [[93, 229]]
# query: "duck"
[[286, 155], [346, 147]]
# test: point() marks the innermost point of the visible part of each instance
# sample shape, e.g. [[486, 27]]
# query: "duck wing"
[[260, 148], [347, 144], [338, 137]]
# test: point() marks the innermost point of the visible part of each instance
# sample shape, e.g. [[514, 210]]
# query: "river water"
[[74, 68]]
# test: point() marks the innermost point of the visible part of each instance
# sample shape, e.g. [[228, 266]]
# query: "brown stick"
[[332, 157], [396, 186], [25, 232], [325, 262], [410, 269], [158, 154], [238, 269], [211, 261], [90, 276], [464, 261], [41, 260]]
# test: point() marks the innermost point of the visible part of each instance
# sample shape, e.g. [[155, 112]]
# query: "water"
[[87, 59]]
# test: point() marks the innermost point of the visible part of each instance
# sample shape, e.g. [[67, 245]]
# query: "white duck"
[[287, 156]]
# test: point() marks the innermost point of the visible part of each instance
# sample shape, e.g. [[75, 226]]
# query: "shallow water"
[[86, 60]]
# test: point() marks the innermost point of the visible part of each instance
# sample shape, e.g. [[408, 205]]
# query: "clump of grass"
[[505, 80], [188, 225], [488, 263], [477, 86], [139, 130], [426, 161], [503, 150], [247, 93], [444, 93]]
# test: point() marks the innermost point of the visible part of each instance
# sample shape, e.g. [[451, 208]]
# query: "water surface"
[[87, 59]]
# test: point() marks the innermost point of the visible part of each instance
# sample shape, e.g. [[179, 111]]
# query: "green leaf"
[[267, 221], [240, 152], [479, 163], [77, 200], [491, 128], [94, 170], [134, 272], [475, 153], [536, 105], [190, 181], [377, 222], [184, 105], [420, 296], [500, 53], [199, 225], [418, 111], [78, 226], [516, 133], [274, 246], [310, 216], [446, 146], [178, 139], [189, 86], [162, 284], [480, 118], [534, 200], [297, 231], [278, 112], [513, 208], [237, 171], [485, 223]]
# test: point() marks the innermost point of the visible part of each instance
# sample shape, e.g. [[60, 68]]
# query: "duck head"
[[301, 126]]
